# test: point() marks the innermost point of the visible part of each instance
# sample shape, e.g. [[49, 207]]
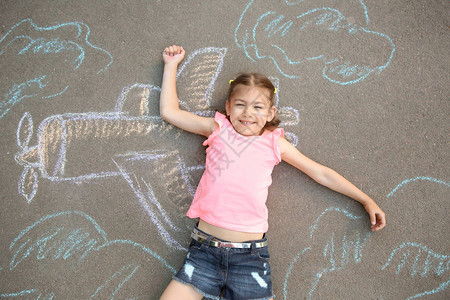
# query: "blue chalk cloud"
[[45, 54], [292, 34]]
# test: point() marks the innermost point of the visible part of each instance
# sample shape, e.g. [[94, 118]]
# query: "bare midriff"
[[228, 235]]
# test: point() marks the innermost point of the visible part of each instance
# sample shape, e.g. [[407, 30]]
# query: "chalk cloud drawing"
[[64, 46], [334, 34], [330, 251], [337, 250], [412, 259], [71, 241], [127, 143]]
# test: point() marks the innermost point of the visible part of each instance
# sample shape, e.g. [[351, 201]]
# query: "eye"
[[258, 107]]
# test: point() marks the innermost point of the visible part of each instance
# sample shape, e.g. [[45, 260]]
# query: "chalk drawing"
[[415, 260], [410, 260], [120, 143], [36, 294], [198, 75], [59, 136], [124, 275], [166, 170], [426, 262], [418, 179], [33, 43], [68, 238], [331, 254], [314, 31]]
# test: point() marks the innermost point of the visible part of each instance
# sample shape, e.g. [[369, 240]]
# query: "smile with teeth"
[[246, 122]]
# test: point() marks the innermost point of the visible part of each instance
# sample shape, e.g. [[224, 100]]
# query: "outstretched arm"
[[331, 179], [169, 107]]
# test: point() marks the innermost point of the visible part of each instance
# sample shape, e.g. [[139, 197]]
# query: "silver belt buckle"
[[230, 245]]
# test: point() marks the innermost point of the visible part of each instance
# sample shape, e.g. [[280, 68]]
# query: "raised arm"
[[169, 107], [331, 179]]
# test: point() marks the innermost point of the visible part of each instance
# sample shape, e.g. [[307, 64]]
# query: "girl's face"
[[249, 109]]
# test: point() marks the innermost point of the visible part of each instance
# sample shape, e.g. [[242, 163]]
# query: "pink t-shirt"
[[232, 192]]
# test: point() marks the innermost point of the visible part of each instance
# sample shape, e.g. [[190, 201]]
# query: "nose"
[[247, 111]]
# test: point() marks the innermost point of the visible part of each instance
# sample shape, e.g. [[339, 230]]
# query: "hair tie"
[[275, 91], [229, 82]]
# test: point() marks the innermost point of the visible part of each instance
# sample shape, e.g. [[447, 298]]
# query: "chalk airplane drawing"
[[145, 170], [412, 260], [314, 31], [102, 141], [33, 43], [72, 240]]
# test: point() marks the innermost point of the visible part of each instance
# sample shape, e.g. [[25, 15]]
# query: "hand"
[[173, 54], [377, 216]]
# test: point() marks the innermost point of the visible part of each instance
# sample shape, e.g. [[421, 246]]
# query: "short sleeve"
[[276, 134], [221, 120]]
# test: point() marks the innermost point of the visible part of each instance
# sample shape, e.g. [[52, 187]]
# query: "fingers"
[[377, 216], [173, 50], [378, 221]]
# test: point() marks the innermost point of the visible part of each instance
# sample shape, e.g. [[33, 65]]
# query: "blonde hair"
[[261, 81]]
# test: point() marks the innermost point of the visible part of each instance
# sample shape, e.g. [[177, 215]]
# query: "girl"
[[228, 250]]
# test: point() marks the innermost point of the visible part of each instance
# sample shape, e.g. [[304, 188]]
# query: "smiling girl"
[[228, 255]]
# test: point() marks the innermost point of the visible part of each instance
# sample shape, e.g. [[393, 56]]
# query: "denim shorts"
[[227, 273]]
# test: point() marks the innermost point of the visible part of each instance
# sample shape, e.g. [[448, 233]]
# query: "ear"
[[227, 107], [272, 113]]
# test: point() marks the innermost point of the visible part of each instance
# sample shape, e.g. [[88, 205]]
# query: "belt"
[[202, 238]]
